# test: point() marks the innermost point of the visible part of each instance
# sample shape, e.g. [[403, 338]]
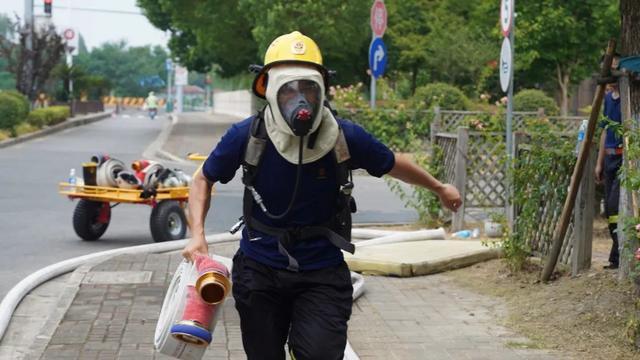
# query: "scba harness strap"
[[337, 230]]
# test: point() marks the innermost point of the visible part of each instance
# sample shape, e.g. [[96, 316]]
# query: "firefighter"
[[290, 281]]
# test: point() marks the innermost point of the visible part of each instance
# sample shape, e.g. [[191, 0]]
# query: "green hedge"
[[446, 96], [11, 111], [25, 107], [532, 100], [48, 116]]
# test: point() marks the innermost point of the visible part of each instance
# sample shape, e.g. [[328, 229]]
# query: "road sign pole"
[[377, 49], [510, 93], [373, 92]]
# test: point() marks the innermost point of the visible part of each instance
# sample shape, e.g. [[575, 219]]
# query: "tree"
[[7, 80], [234, 34], [563, 39], [204, 33], [629, 35], [31, 68], [442, 41], [125, 67], [340, 28]]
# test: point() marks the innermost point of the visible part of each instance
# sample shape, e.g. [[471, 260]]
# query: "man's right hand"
[[598, 173], [195, 246]]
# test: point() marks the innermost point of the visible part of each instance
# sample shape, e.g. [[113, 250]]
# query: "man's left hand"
[[450, 197]]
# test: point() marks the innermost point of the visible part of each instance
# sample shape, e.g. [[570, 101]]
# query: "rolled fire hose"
[[172, 309], [174, 304], [108, 172], [127, 180], [151, 175]]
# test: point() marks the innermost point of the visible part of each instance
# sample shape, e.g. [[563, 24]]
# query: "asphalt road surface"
[[35, 221]]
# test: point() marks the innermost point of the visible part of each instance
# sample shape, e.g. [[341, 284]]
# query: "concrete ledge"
[[419, 257], [70, 123]]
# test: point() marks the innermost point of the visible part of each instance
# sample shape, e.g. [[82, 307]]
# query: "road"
[[35, 221]]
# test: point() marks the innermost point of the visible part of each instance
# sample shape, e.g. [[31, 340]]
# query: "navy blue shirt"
[[275, 182], [612, 112]]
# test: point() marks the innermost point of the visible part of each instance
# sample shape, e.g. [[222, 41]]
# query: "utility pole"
[[28, 27], [70, 56]]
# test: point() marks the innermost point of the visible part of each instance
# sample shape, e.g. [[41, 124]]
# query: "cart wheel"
[[168, 221], [91, 219]]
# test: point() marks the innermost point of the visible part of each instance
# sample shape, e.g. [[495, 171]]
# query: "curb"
[[70, 123], [43, 338], [155, 151], [72, 286]]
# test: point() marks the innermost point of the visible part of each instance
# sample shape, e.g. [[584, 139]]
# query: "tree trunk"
[[563, 78], [630, 33], [414, 79]]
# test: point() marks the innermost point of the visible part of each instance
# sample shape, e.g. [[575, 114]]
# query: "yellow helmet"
[[289, 48]]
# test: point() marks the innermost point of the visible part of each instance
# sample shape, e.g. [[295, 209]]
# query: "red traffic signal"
[[47, 6]]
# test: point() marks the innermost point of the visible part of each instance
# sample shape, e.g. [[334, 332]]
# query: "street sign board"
[[71, 37], [506, 64], [506, 16], [378, 18], [377, 57], [168, 64], [181, 75]]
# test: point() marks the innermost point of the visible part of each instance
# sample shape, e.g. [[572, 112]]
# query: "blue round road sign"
[[377, 57]]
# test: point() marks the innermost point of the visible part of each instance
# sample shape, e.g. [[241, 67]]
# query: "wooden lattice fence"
[[448, 121], [475, 163]]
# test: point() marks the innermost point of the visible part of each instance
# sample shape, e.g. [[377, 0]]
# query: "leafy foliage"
[[48, 116], [31, 67], [399, 128], [423, 201], [540, 179], [123, 66], [24, 128], [440, 94], [561, 40], [532, 100], [11, 111]]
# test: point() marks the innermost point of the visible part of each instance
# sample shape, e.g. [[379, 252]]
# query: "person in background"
[[609, 162], [151, 104]]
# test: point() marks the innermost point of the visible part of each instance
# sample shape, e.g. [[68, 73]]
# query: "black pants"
[[310, 308], [612, 164]]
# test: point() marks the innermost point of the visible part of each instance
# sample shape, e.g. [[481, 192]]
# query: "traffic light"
[[47, 7]]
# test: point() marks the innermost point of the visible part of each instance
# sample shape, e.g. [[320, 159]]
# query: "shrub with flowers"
[[392, 123]]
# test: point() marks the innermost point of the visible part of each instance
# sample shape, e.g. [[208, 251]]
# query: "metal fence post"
[[518, 138], [460, 175], [583, 219]]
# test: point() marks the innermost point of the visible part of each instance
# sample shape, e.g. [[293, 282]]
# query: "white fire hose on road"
[[19, 291]]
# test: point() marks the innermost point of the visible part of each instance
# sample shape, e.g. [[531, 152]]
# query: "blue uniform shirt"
[[275, 182], [612, 112]]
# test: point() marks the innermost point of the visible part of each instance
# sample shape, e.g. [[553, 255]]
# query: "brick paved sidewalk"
[[397, 318]]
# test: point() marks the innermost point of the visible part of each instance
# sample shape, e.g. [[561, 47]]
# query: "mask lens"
[[299, 101], [296, 93]]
